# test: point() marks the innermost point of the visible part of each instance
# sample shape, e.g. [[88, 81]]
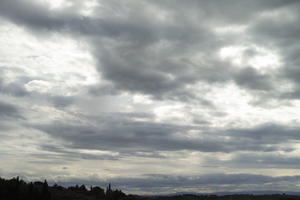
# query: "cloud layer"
[[195, 95]]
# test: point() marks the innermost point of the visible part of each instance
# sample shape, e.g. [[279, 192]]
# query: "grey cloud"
[[281, 30], [164, 66], [149, 56], [31, 14], [57, 154], [61, 152], [98, 157], [61, 101], [9, 111], [267, 134], [261, 161], [13, 87], [16, 88], [132, 136], [230, 11], [5, 127], [252, 79], [291, 95], [102, 90], [281, 33], [141, 69], [51, 159], [126, 134], [149, 67], [22, 11]]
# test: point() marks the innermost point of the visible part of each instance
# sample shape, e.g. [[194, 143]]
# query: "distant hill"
[[265, 192]]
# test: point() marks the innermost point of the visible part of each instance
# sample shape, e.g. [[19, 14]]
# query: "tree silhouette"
[[45, 191], [98, 192]]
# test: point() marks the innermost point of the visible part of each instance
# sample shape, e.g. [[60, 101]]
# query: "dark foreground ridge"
[[16, 189]]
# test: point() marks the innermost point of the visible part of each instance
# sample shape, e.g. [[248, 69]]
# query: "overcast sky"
[[152, 96]]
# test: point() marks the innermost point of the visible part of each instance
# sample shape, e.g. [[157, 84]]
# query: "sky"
[[152, 96]]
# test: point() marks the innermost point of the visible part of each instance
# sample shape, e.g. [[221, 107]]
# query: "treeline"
[[16, 189]]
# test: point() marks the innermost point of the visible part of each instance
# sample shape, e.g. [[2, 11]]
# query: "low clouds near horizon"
[[153, 96]]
